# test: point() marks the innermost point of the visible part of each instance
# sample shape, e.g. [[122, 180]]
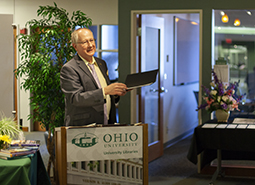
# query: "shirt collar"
[[86, 62]]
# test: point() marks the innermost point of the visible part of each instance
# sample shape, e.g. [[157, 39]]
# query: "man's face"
[[85, 46]]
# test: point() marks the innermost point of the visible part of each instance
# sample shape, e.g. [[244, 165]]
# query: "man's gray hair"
[[75, 36]]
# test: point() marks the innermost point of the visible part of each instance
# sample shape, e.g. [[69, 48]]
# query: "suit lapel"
[[84, 67]]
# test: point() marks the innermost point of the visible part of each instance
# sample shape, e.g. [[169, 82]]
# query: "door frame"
[[15, 95], [148, 21], [133, 54]]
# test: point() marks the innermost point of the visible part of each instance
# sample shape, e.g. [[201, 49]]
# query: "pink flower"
[[209, 102], [235, 106]]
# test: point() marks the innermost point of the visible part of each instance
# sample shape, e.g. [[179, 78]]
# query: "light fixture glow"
[[237, 22], [194, 23], [224, 18], [248, 12], [222, 13], [176, 19]]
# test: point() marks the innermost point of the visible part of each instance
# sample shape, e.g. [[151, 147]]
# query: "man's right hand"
[[119, 89]]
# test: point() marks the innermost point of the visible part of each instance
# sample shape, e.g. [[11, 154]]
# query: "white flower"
[[225, 98], [218, 99], [213, 92]]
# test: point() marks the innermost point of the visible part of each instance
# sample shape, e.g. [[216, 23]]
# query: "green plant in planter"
[[8, 130], [43, 53], [9, 127]]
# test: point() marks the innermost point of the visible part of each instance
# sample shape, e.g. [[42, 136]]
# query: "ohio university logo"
[[85, 140]]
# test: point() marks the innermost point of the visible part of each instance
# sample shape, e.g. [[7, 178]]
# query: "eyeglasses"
[[86, 42]]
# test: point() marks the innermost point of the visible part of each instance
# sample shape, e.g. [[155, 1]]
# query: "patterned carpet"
[[173, 168], [174, 162]]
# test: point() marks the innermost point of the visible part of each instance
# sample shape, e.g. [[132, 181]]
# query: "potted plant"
[[8, 130], [220, 98], [43, 53]]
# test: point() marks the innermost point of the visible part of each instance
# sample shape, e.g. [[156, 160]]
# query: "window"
[[107, 47], [235, 44]]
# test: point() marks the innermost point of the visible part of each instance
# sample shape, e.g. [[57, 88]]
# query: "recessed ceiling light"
[[224, 18], [237, 22]]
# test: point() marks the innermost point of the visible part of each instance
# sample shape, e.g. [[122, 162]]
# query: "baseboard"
[[230, 171], [178, 138], [234, 163]]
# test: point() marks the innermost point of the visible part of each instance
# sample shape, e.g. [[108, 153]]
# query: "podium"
[[112, 154]]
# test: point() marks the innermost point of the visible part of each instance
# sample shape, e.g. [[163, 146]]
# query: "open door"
[[150, 100]]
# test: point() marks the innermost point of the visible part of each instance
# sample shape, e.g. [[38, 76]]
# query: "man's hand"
[[119, 89]]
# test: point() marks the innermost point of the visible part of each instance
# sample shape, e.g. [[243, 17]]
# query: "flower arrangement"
[[4, 141], [220, 96]]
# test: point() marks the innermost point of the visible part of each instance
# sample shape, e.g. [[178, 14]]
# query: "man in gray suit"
[[89, 96]]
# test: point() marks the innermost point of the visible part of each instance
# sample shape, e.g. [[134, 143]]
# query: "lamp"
[[224, 18], [237, 22]]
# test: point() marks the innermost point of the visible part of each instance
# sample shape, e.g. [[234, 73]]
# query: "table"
[[25, 171], [226, 144]]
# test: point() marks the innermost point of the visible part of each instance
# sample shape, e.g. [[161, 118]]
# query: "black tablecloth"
[[42, 175], [236, 144]]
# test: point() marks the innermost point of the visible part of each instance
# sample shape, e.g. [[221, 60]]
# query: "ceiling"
[[245, 19]]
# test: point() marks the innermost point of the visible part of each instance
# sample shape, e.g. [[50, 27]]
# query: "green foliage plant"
[[43, 52], [9, 127]]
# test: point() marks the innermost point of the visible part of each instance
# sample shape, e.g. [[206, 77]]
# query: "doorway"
[[159, 105]]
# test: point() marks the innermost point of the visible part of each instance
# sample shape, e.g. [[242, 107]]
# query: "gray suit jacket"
[[83, 99]]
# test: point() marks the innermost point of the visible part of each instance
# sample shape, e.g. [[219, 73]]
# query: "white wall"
[[180, 115], [100, 11], [6, 62]]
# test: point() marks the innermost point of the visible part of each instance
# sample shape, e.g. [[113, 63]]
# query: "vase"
[[221, 115]]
